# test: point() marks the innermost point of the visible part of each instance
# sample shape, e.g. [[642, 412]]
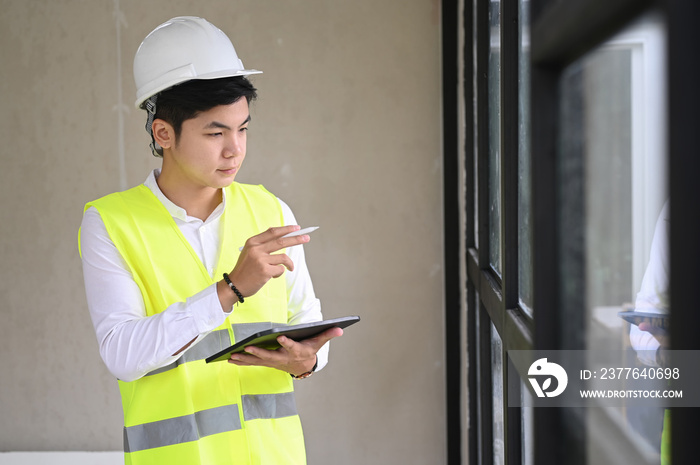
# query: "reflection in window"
[[524, 229], [612, 157], [497, 389], [527, 425], [494, 89]]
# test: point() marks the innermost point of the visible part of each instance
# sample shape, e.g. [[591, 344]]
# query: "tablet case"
[[267, 339]]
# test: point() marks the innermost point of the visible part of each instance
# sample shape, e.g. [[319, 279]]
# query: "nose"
[[235, 145]]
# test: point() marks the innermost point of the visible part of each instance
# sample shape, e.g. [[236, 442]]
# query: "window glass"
[[524, 229], [494, 91], [614, 220], [497, 389], [480, 360], [527, 426]]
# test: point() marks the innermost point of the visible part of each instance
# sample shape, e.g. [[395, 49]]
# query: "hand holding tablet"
[[653, 320], [267, 339]]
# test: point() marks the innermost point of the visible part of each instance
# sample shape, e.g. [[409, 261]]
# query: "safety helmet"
[[182, 49]]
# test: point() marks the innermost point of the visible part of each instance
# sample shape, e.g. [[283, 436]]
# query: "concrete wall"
[[346, 130]]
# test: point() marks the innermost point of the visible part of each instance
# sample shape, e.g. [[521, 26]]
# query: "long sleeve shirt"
[[133, 344], [653, 293]]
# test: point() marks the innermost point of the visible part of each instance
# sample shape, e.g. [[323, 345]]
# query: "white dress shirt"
[[133, 344], [653, 295]]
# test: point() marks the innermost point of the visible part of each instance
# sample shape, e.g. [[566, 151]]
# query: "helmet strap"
[[150, 106]]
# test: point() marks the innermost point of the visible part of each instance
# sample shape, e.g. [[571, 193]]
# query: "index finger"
[[277, 234], [303, 233]]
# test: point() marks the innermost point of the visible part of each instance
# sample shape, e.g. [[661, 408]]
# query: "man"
[[652, 343], [163, 271]]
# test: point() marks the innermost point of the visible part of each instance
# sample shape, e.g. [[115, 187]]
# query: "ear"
[[163, 133]]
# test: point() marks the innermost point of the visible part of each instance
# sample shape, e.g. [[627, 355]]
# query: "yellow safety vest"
[[192, 412], [666, 439]]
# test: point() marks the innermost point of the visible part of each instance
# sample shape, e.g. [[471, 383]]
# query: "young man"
[[652, 343], [167, 285]]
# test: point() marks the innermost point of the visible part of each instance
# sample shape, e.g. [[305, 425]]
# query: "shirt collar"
[[174, 210]]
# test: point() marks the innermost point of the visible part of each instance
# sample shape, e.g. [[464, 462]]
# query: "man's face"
[[211, 147]]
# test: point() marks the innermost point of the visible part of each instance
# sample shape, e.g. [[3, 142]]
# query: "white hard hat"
[[182, 49]]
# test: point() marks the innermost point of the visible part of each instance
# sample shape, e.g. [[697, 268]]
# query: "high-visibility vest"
[[666, 439], [192, 412]]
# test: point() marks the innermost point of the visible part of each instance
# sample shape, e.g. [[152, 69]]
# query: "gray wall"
[[346, 130]]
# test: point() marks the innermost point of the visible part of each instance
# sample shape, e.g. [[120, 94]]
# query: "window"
[[524, 173], [494, 131], [568, 139], [610, 201]]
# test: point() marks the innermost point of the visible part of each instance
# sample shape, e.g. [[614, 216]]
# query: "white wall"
[[346, 130]]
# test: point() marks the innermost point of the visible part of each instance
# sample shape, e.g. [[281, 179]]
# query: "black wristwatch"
[[307, 374]]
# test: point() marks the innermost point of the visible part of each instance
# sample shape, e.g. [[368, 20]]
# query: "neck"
[[197, 201]]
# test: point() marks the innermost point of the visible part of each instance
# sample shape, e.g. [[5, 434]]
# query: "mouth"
[[228, 171]]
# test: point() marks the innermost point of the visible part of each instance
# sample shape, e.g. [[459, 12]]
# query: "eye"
[[215, 134]]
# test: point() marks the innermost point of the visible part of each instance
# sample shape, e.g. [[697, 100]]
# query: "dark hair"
[[185, 101]]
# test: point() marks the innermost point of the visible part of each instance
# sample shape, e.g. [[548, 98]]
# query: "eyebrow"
[[218, 125]]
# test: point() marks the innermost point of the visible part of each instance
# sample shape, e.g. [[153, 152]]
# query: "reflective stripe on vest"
[[181, 429], [207, 422], [212, 343], [268, 406]]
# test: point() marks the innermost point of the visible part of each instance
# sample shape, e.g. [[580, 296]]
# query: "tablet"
[[267, 339], [659, 320]]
